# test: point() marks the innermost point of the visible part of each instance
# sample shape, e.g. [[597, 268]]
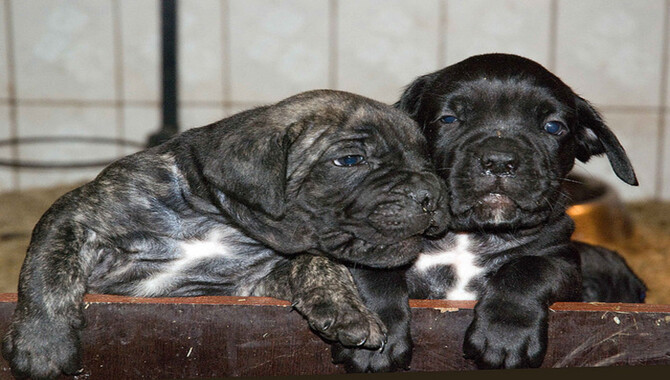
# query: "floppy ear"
[[247, 162], [410, 100], [595, 138]]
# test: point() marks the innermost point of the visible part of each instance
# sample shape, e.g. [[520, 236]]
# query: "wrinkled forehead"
[[386, 125], [378, 129], [504, 94]]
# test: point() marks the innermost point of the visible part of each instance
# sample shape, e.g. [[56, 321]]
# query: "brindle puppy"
[[250, 205]]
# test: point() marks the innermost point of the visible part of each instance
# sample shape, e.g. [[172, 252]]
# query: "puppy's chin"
[[495, 208], [381, 230], [496, 213], [392, 230], [352, 249]]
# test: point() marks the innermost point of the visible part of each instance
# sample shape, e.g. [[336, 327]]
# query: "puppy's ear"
[[595, 138], [410, 100], [248, 164]]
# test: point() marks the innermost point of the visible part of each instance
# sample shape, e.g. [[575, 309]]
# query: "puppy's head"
[[504, 132], [339, 173]]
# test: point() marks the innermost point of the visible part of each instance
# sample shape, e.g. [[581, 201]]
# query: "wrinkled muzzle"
[[500, 183], [385, 225], [413, 204]]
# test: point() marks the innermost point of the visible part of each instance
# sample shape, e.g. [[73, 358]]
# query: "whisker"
[[566, 179], [551, 205], [567, 196]]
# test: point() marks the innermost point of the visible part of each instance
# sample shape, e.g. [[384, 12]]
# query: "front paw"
[[395, 355], [42, 349], [342, 319], [507, 336]]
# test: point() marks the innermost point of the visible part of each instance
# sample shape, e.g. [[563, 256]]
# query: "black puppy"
[[606, 277], [504, 133], [250, 205]]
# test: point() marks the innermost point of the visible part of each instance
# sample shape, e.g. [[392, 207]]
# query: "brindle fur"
[[234, 208]]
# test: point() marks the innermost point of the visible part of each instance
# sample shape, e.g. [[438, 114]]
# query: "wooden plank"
[[130, 338]]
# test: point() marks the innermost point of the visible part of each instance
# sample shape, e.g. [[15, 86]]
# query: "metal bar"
[[170, 74]]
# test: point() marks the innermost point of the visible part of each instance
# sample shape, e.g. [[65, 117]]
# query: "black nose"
[[499, 163], [425, 189], [424, 197], [431, 195]]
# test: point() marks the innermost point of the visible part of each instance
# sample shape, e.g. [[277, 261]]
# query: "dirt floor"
[[647, 251]]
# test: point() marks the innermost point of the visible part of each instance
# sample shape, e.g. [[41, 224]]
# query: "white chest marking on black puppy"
[[192, 253], [462, 261]]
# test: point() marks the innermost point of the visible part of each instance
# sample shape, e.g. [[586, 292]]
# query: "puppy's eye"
[[448, 119], [350, 160], [555, 127]]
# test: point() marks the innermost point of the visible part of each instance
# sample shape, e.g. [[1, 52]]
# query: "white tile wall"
[[6, 174], [5, 130], [511, 26], [278, 48], [64, 121], [143, 121], [384, 45], [229, 111], [667, 65], [201, 50], [4, 73], [141, 49], [64, 49], [235, 54], [199, 116], [637, 132], [139, 123], [610, 51]]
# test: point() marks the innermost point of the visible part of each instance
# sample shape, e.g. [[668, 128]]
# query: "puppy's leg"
[[509, 329], [324, 293], [384, 292], [43, 337]]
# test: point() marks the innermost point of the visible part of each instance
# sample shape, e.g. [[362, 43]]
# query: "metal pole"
[[170, 77]]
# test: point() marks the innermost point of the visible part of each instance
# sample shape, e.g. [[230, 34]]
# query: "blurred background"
[[92, 68]]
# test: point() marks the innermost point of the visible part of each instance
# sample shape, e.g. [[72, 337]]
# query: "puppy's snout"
[[498, 156], [498, 162], [425, 198], [426, 192], [430, 193]]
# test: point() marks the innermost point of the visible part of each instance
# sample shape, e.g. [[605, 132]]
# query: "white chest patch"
[[194, 250], [462, 262], [192, 253]]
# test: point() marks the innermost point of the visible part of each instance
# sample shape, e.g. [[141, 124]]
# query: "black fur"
[[607, 277], [384, 293], [485, 120], [246, 206]]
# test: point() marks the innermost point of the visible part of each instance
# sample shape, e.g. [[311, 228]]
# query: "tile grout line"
[[661, 152], [553, 35], [226, 52], [333, 44], [133, 102], [119, 83], [627, 108], [441, 33], [12, 86], [44, 102]]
